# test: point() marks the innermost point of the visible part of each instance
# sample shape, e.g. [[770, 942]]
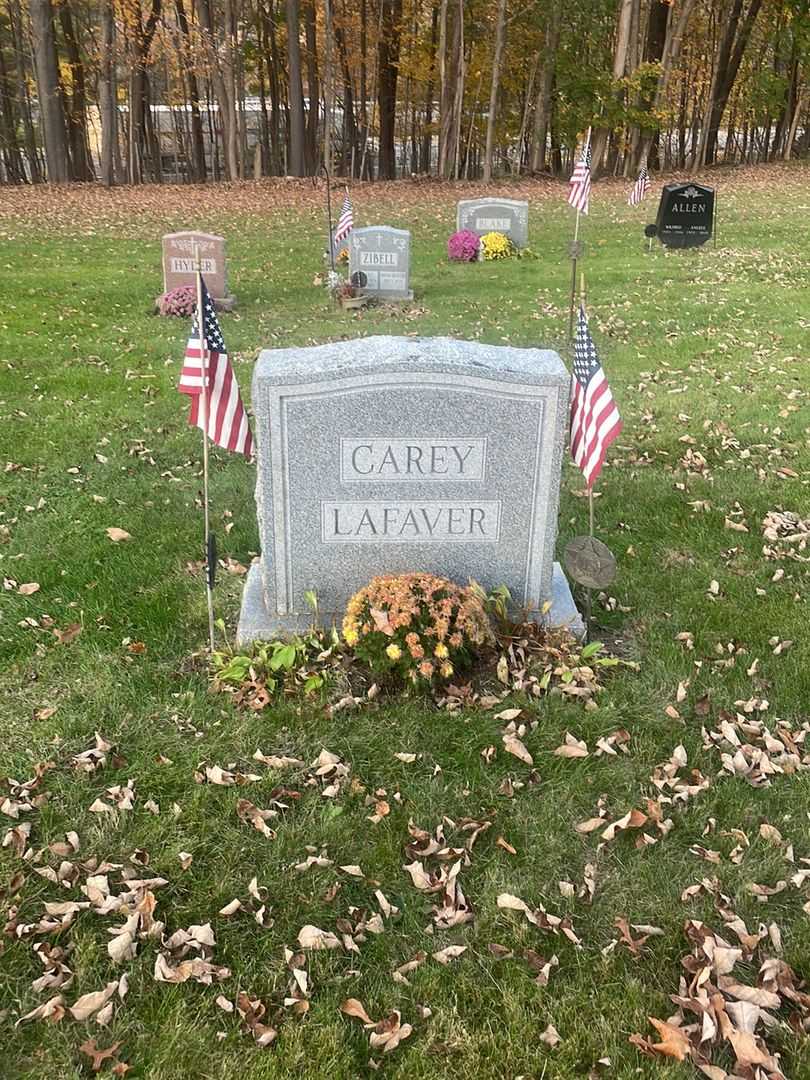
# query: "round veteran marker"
[[589, 562]]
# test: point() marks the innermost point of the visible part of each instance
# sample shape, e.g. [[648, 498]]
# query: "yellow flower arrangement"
[[494, 245], [415, 625]]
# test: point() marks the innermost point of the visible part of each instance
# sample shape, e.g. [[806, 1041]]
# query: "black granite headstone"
[[685, 215]]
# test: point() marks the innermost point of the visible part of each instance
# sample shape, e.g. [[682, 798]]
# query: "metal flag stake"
[[210, 543]]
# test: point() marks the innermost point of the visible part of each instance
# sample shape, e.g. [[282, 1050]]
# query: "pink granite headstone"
[[178, 264]]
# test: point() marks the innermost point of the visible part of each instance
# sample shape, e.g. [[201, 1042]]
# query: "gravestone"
[[392, 454], [178, 264], [508, 216], [685, 215], [380, 261]]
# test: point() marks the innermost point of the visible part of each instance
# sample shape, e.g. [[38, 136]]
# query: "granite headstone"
[[380, 261], [685, 215], [507, 216], [178, 264], [393, 454]]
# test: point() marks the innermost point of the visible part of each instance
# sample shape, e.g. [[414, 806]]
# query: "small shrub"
[[180, 301], [417, 626], [463, 246], [495, 245], [266, 669]]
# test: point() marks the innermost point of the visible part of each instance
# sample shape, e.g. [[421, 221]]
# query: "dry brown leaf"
[[674, 1042], [513, 745], [353, 1007], [312, 937], [451, 952], [117, 535]]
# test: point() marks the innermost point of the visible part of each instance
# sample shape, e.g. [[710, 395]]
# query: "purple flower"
[[463, 246], [180, 301]]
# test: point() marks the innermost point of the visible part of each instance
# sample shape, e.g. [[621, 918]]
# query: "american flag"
[[580, 181], [640, 188], [345, 221], [595, 420], [227, 420]]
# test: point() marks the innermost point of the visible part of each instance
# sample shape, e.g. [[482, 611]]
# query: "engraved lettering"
[[415, 458], [409, 522], [438, 457], [453, 518], [355, 452], [388, 460], [337, 524], [477, 519], [461, 459], [366, 522]]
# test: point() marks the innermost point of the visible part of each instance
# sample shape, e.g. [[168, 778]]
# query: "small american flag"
[[595, 420], [345, 221], [640, 188], [580, 181], [227, 420]]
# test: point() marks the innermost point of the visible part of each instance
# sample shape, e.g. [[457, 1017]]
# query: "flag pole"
[[209, 547], [590, 486], [588, 595], [574, 256], [325, 172]]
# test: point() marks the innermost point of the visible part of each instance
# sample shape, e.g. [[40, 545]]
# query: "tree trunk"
[[81, 162], [197, 155], [12, 155], [329, 85], [674, 25], [732, 46], [23, 96], [363, 81], [50, 102], [542, 108], [222, 83], [500, 41], [601, 134], [430, 89], [801, 100], [451, 66], [108, 109], [313, 86], [349, 121], [274, 67], [388, 60], [296, 152]]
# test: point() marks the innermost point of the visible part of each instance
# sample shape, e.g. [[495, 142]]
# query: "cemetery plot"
[[179, 266], [414, 468], [685, 215], [380, 262], [484, 215]]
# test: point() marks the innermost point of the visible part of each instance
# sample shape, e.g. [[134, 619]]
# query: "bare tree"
[[48, 91]]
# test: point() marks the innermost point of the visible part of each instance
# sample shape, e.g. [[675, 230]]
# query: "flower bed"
[[463, 246], [180, 301], [417, 626]]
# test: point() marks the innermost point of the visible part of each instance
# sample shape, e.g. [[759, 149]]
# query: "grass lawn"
[[707, 355]]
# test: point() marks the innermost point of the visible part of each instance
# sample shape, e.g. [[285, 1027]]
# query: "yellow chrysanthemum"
[[495, 245], [393, 651], [441, 651], [446, 670]]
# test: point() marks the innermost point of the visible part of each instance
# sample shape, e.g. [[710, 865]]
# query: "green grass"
[[707, 346]]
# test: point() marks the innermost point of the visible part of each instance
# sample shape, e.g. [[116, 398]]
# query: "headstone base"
[[256, 623]]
